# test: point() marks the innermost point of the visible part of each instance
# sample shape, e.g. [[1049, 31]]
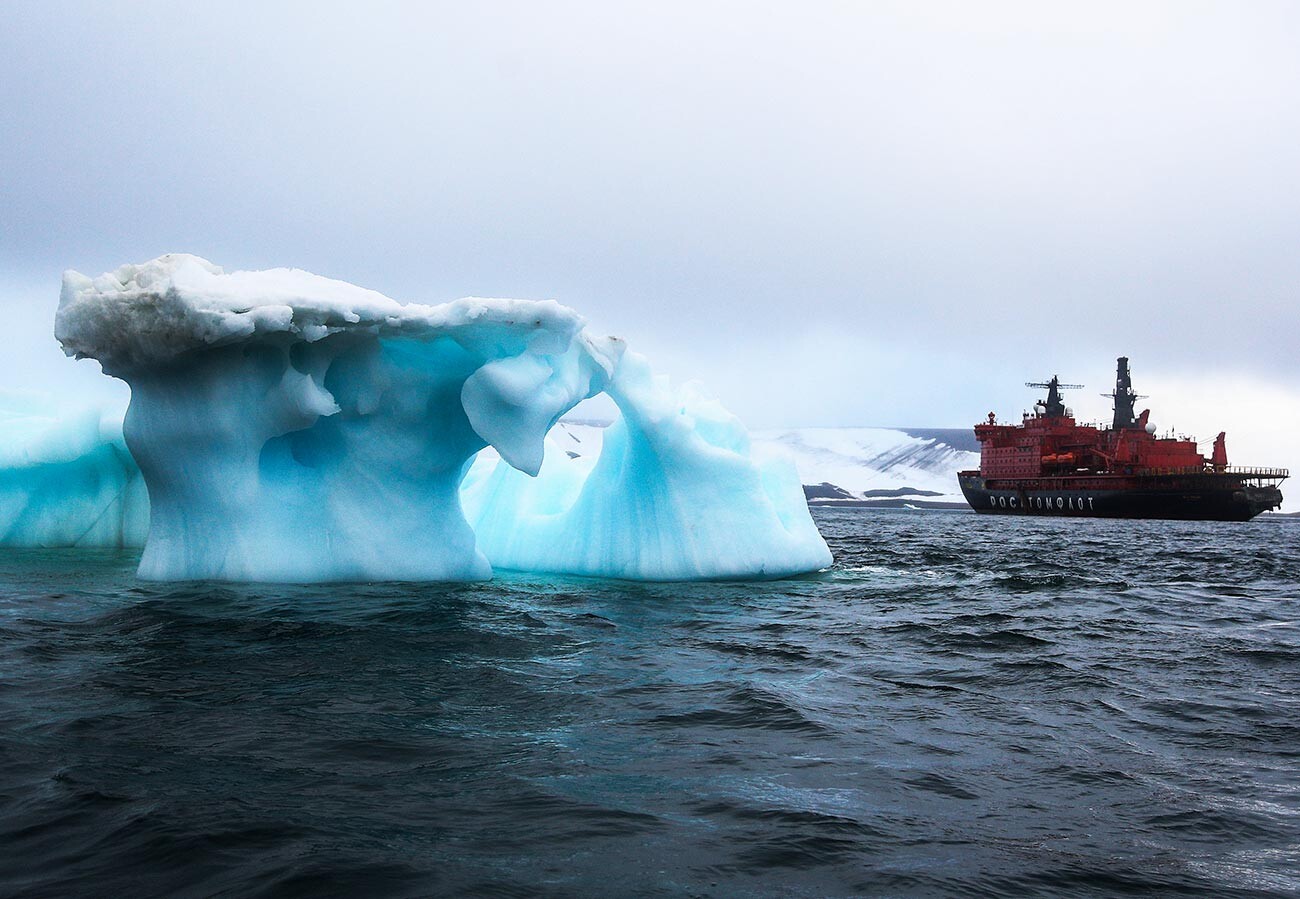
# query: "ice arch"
[[295, 428]]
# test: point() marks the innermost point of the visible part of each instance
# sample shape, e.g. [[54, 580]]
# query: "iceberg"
[[676, 493], [67, 479], [291, 427]]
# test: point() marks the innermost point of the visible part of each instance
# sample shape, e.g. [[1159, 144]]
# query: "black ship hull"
[[1201, 497]]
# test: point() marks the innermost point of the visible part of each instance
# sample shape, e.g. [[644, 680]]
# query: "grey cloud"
[[968, 197]]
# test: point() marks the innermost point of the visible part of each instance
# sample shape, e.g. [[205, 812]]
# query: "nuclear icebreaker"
[[291, 427]]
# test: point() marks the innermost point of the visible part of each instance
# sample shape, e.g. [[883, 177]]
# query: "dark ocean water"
[[965, 706]]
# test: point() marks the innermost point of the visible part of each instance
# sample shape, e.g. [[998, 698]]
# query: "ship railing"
[[1268, 474]]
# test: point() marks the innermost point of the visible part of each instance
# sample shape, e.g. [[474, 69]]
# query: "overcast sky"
[[866, 213]]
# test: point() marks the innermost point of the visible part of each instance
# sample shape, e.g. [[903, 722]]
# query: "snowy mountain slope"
[[844, 463], [874, 463]]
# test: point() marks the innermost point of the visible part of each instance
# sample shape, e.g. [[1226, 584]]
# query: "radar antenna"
[[1124, 397], [1053, 405]]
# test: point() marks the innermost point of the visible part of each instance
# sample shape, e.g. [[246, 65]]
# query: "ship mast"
[[1052, 406], [1123, 397]]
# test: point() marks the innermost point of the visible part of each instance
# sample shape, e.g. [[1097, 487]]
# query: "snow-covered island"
[[291, 427], [879, 467]]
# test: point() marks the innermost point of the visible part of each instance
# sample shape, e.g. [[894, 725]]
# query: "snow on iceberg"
[[68, 479], [295, 428]]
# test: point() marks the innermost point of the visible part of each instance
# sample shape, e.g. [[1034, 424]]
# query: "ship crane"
[[1052, 405]]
